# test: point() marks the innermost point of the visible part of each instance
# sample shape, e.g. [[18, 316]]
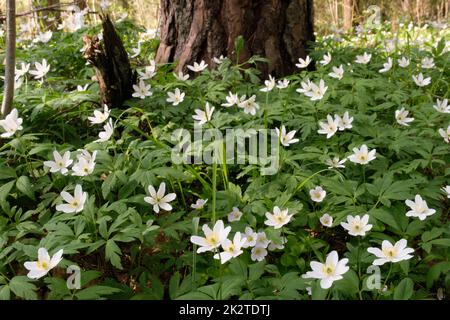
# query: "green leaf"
[[174, 284], [112, 254], [404, 290], [58, 288], [256, 270], [239, 268], [24, 185], [432, 234], [435, 271], [239, 45], [21, 287], [5, 293], [441, 242], [95, 292], [317, 293], [349, 284], [7, 172], [5, 189]]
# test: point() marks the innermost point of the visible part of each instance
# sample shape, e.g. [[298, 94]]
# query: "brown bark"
[[10, 64], [194, 30], [112, 67], [81, 4], [348, 14]]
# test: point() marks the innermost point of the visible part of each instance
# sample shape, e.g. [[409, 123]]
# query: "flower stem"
[[214, 186]]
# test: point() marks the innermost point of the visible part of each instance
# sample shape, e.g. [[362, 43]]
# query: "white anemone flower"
[[249, 105], [363, 59], [330, 127], [401, 116], [326, 59], [269, 84], [160, 199], [391, 253], [282, 84], [203, 116], [199, 204], [41, 69], [234, 215], [326, 220], [38, 269], [74, 203], [317, 92], [141, 90], [286, 138], [357, 226], [386, 66], [442, 106], [421, 81], [232, 99], [258, 253], [446, 190], [338, 72], [11, 124], [198, 67], [278, 218], [106, 135], [362, 155], [403, 62], [180, 76], [231, 249], [303, 63], [175, 97], [317, 194], [445, 134], [345, 122], [60, 163], [335, 163], [250, 237], [213, 238], [328, 272], [147, 73], [100, 117], [261, 240], [427, 63], [419, 208]]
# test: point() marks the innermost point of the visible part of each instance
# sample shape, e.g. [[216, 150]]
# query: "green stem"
[[303, 183], [266, 121], [214, 186]]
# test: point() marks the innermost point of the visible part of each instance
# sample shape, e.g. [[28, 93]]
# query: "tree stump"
[[194, 30], [112, 67]]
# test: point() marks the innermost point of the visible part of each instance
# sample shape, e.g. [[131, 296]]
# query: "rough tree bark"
[[112, 67], [10, 65], [194, 30]]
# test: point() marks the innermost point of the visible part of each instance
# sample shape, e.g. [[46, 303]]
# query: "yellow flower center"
[[212, 240], [390, 253], [43, 265], [362, 157], [328, 270], [230, 248]]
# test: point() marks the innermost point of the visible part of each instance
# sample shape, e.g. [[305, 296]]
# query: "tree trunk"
[[348, 14], [194, 30], [81, 4], [112, 67], [10, 66]]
